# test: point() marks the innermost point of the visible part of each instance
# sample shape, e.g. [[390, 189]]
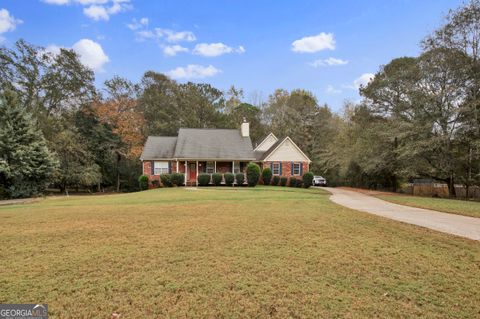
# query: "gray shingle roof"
[[213, 144], [157, 147]]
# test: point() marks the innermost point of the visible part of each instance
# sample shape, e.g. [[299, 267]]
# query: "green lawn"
[[454, 206], [222, 253]]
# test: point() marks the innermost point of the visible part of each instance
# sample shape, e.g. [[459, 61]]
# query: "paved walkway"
[[463, 226]]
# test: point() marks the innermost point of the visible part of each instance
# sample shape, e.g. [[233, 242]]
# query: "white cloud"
[[7, 21], [215, 49], [135, 25], [54, 49], [328, 62], [311, 44], [332, 90], [193, 71], [172, 50], [363, 80], [174, 36], [97, 9], [91, 54]]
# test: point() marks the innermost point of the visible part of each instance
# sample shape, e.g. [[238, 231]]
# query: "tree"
[[252, 115], [26, 164], [234, 98]]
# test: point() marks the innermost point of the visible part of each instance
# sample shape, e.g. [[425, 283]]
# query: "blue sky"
[[327, 47]]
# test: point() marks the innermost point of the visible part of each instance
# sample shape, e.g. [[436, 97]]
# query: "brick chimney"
[[245, 128]]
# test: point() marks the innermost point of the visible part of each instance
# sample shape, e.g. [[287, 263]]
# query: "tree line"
[[419, 117]]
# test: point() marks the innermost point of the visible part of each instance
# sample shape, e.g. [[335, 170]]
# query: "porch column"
[[196, 178], [177, 166], [185, 173], [233, 167], [215, 163]]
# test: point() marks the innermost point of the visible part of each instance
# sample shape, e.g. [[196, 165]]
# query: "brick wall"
[[287, 167]]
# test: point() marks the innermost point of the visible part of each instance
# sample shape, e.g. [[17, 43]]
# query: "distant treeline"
[[419, 117]]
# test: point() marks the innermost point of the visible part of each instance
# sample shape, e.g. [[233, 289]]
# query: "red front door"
[[192, 169]]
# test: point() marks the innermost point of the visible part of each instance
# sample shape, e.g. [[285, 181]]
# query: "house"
[[196, 151]]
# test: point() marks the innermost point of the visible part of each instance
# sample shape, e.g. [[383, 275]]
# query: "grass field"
[[222, 253], [454, 206]]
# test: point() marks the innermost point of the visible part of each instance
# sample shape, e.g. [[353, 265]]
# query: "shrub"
[[203, 179], [216, 179], [229, 179], [166, 180], [143, 182], [293, 182], [253, 174], [240, 178], [178, 179], [267, 176], [276, 180], [283, 181], [299, 183], [156, 183], [307, 179]]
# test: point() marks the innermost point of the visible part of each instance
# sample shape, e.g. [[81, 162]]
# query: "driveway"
[[463, 226]]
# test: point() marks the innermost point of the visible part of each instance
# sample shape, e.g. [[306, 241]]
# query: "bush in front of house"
[[178, 179], [143, 182], [292, 182], [229, 179], [156, 183], [267, 176], [166, 180], [216, 179], [240, 178], [275, 180], [253, 174], [203, 179], [283, 181], [299, 183], [307, 179]]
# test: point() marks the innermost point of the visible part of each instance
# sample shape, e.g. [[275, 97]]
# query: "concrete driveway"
[[463, 226]]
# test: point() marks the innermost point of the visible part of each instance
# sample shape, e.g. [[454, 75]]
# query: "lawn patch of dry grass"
[[453, 206], [264, 252]]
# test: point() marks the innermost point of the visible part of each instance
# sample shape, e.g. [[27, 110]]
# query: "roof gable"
[[285, 150], [266, 143]]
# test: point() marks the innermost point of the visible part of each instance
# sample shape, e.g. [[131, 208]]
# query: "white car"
[[319, 181]]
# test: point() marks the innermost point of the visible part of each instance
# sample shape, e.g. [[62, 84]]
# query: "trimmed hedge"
[[216, 179], [267, 176], [178, 179], [229, 179], [283, 181], [240, 179], [299, 183], [276, 180], [307, 179], [253, 174], [166, 180], [156, 183], [203, 179], [143, 182], [292, 182]]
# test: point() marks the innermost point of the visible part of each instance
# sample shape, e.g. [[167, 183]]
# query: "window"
[[276, 168], [160, 168], [236, 167], [296, 168], [210, 167]]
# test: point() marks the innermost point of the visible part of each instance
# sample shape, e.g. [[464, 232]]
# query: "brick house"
[[196, 151]]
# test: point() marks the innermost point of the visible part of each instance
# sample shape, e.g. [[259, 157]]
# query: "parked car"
[[319, 181]]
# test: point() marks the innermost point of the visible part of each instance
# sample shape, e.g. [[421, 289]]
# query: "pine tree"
[[26, 164]]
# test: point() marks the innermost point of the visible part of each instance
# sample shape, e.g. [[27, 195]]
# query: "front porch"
[[192, 169]]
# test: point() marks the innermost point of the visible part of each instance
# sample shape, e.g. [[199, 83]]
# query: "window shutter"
[[301, 169], [152, 164], [280, 168], [169, 167], [291, 169], [271, 167]]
